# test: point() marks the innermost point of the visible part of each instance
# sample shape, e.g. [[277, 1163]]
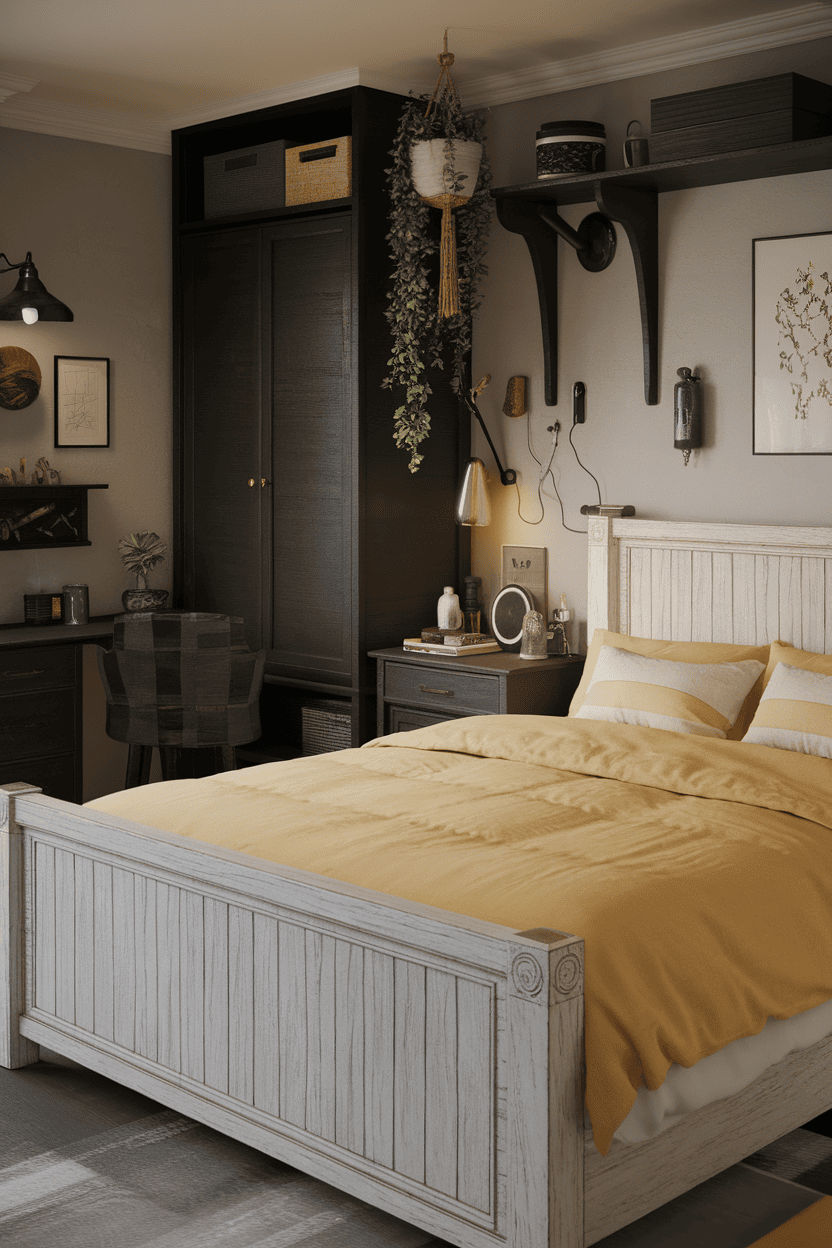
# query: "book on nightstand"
[[452, 646]]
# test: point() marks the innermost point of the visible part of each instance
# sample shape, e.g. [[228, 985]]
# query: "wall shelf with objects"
[[40, 517], [630, 197]]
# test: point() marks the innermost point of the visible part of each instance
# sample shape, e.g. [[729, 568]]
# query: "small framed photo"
[[793, 345], [82, 400]]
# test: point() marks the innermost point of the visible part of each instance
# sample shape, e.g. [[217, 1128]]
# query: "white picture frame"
[[792, 336]]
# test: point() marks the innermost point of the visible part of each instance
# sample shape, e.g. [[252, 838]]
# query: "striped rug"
[[85, 1163]]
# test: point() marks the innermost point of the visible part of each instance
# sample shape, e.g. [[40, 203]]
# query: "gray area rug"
[[125, 1173], [85, 1163]]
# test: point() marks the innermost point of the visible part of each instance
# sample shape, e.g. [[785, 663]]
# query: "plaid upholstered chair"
[[180, 680]]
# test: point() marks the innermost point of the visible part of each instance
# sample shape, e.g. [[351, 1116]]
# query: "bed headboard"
[[688, 581]]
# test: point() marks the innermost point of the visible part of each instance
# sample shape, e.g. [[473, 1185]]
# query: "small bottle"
[[448, 613]]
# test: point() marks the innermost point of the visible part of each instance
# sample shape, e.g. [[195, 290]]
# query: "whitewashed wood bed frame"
[[427, 1063]]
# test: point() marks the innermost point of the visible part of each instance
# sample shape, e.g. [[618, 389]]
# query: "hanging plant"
[[442, 149]]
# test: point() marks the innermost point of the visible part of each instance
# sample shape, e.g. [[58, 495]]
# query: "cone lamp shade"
[[30, 301], [473, 508]]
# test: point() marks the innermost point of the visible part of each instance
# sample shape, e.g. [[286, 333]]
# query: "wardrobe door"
[[221, 343], [312, 422]]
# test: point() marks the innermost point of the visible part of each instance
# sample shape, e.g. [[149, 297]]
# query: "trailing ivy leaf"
[[418, 334]]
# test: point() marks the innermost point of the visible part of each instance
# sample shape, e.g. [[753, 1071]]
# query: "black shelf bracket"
[[522, 216], [594, 241], [638, 212]]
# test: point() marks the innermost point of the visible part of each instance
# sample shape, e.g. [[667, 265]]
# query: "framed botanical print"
[[792, 317], [82, 400]]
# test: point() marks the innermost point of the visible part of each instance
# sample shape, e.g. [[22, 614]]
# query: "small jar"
[[76, 604], [570, 147]]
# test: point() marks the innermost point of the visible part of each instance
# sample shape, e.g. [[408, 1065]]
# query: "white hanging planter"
[[438, 172], [445, 173]]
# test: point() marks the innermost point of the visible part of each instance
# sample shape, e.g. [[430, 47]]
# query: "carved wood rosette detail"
[[547, 976]]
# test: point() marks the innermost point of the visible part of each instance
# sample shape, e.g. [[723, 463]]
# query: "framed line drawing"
[[82, 400], [792, 333]]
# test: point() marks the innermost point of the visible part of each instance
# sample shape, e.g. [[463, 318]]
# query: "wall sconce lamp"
[[473, 507], [30, 301]]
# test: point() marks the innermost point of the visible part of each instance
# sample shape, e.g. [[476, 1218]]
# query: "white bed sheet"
[[722, 1074]]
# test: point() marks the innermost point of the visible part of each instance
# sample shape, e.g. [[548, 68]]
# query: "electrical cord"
[[586, 470], [555, 428], [547, 471]]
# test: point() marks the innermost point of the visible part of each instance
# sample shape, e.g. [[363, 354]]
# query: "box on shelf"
[[317, 171], [326, 725], [249, 179], [742, 115]]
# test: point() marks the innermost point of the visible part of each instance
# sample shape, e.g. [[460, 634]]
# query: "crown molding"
[[711, 43], [93, 125], [266, 99], [11, 84], [152, 134]]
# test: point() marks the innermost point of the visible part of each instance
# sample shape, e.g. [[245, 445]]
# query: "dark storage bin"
[[742, 115], [250, 179], [327, 726]]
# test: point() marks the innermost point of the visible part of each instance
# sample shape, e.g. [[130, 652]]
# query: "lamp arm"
[[507, 475]]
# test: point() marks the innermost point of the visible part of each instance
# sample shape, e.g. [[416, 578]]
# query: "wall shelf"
[[63, 524], [630, 197]]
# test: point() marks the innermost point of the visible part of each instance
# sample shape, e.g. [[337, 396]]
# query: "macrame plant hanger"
[[449, 198]]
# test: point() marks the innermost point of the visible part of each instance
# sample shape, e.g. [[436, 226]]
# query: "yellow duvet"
[[697, 871]]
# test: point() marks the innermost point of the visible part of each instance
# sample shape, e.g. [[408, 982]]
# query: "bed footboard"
[[427, 1063]]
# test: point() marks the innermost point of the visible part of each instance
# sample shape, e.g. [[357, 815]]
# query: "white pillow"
[[795, 712], [700, 698]]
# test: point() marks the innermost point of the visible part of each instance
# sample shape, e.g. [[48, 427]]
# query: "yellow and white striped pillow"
[[795, 712], [700, 698]]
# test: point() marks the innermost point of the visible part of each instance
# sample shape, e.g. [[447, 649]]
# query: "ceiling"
[[129, 71]]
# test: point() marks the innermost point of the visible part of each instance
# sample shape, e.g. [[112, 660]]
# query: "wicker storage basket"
[[316, 171], [246, 180], [326, 726]]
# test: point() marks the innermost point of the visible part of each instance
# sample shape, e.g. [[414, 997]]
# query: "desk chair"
[[180, 680]]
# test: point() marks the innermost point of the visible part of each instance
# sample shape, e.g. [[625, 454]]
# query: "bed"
[[208, 979]]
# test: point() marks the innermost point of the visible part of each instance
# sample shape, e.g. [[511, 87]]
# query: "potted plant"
[[439, 160], [140, 552]]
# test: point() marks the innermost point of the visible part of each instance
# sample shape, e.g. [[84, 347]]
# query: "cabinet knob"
[[251, 483], [263, 483]]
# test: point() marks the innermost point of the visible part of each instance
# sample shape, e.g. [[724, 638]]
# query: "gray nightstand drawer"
[[463, 692]]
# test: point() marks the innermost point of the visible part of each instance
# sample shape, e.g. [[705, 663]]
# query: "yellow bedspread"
[[701, 918]]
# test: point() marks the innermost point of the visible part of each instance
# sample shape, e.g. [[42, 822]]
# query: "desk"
[[41, 709]]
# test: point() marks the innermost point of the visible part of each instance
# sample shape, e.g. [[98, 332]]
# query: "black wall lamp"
[[30, 301], [473, 506]]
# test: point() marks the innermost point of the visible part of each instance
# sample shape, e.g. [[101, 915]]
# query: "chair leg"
[[138, 765], [229, 757], [169, 759]]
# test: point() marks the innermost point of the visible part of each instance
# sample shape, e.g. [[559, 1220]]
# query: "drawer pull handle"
[[38, 671], [446, 693]]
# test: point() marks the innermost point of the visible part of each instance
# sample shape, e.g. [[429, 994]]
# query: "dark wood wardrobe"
[[294, 508]]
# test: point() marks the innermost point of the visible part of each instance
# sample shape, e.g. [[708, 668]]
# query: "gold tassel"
[[448, 277]]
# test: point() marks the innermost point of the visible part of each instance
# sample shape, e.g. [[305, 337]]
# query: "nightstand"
[[415, 689]]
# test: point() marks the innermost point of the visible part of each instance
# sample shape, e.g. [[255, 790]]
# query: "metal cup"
[[636, 152]]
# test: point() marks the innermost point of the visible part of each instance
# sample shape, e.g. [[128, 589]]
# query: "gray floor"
[[86, 1163]]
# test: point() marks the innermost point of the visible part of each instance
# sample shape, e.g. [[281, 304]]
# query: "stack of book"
[[445, 641]]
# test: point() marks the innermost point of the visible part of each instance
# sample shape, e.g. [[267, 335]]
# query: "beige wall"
[[705, 245], [97, 221]]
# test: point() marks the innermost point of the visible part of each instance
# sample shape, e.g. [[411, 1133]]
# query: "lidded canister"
[[564, 147], [687, 412]]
